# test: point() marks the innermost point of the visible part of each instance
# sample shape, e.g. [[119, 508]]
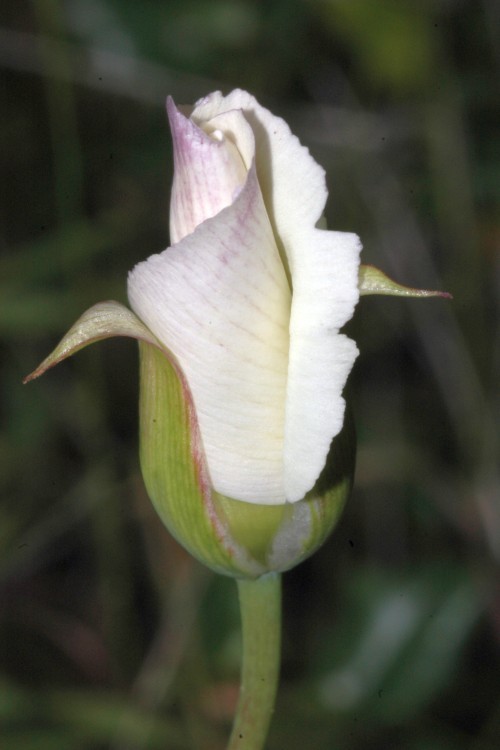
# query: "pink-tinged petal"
[[220, 301], [323, 267], [209, 173]]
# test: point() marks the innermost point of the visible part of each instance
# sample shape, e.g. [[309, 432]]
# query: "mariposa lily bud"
[[245, 449]]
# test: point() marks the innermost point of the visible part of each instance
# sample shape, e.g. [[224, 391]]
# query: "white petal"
[[220, 301], [209, 172], [324, 276], [320, 357]]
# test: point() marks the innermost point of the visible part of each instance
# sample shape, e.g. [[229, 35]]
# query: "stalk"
[[260, 607]]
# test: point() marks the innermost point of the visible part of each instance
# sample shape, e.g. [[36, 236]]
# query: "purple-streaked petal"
[[209, 173]]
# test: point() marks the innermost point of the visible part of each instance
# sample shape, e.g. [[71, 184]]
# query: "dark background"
[[110, 636]]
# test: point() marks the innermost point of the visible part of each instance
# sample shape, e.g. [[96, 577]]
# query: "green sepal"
[[99, 322], [373, 281]]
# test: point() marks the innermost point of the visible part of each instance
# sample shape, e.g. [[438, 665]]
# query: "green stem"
[[260, 606]]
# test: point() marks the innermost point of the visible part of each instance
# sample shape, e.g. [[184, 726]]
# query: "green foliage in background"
[[110, 636]]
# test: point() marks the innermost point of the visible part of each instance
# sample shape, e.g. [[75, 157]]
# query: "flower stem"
[[260, 606]]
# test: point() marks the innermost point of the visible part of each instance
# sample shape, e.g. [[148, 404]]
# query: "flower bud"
[[245, 447]]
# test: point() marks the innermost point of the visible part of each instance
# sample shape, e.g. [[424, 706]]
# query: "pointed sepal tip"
[[373, 281]]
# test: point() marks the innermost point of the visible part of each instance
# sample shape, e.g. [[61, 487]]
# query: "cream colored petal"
[[209, 172], [219, 300], [320, 357]]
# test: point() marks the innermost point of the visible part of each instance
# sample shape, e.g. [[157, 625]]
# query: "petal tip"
[[171, 107]]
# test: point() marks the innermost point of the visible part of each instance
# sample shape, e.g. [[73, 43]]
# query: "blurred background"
[[111, 637]]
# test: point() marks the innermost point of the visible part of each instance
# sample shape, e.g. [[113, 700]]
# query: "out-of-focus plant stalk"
[[61, 111]]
